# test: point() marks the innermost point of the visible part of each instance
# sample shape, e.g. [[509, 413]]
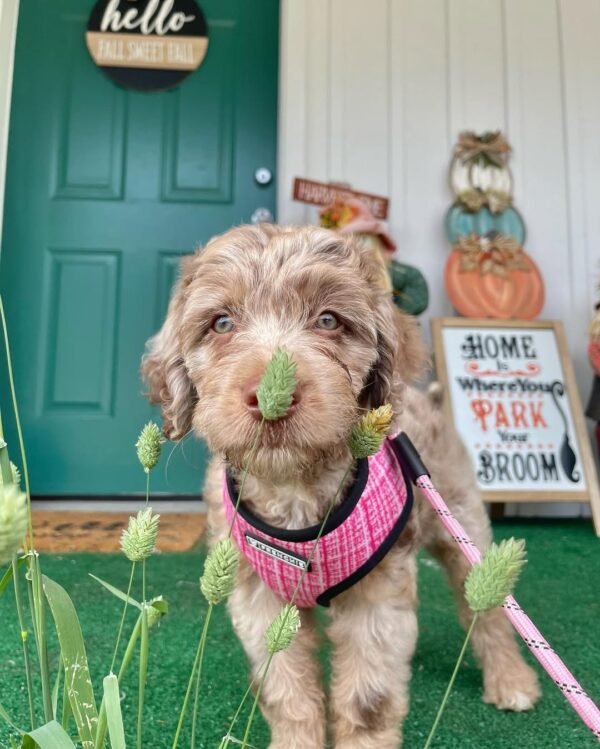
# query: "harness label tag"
[[283, 555]]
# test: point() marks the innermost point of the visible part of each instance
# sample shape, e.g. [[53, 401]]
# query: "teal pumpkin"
[[409, 288], [460, 222]]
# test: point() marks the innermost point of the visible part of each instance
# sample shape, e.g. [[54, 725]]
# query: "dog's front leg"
[[374, 631], [292, 699]]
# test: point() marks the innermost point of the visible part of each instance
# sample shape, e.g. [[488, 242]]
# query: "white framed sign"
[[511, 393]]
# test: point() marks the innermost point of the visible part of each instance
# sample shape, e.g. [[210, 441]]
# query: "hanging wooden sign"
[[147, 45], [324, 193], [510, 390]]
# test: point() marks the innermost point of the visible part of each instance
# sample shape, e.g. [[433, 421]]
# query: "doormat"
[[101, 531]]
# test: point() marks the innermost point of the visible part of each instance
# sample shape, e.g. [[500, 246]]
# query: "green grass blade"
[[5, 716], [143, 672], [7, 577], [39, 608], [114, 717], [56, 687], [49, 736], [116, 592], [77, 674], [131, 645], [66, 706]]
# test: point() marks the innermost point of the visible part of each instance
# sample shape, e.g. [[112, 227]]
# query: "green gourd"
[[409, 288]]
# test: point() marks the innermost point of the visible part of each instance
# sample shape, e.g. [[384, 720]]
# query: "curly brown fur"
[[273, 283]]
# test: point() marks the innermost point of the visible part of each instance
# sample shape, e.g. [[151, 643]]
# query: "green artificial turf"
[[560, 591]]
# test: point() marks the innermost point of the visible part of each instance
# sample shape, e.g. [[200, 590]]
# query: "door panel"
[[197, 162], [83, 295], [106, 190]]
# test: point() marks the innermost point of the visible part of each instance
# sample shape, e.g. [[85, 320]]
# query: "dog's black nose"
[[251, 401]]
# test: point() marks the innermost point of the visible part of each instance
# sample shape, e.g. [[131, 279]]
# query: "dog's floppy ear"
[[163, 368], [401, 352]]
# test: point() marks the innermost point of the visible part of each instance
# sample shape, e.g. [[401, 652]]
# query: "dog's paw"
[[517, 689]]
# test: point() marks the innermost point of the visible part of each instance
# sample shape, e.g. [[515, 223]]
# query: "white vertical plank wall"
[[375, 94]]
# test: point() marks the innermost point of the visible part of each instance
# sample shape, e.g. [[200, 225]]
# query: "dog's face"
[[252, 291]]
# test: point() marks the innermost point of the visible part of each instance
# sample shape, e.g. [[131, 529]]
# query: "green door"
[[106, 189]]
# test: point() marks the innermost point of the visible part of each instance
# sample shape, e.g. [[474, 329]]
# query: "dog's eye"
[[327, 321], [223, 324]]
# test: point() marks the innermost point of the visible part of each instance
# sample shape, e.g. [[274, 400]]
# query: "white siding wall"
[[375, 94], [8, 24]]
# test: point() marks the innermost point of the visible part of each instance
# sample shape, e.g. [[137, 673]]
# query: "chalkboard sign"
[[147, 45], [510, 390]]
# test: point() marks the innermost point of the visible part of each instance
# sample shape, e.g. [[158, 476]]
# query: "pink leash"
[[532, 637]]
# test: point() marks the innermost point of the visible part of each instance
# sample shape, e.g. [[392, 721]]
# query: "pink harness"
[[357, 536], [360, 533]]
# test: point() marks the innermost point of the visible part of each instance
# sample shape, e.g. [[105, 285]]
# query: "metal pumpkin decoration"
[[488, 273]]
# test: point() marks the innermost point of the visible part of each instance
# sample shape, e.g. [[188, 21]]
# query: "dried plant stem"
[[332, 504], [196, 667], [450, 684], [120, 632]]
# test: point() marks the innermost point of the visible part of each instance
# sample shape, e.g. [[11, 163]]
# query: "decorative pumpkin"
[[460, 223], [493, 277], [592, 409], [594, 355], [594, 342], [479, 172], [409, 288], [354, 217], [407, 284]]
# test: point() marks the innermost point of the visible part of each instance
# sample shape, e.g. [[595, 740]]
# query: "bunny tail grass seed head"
[[367, 436], [15, 473], [149, 445], [13, 521], [283, 629], [275, 392], [489, 582], [138, 540], [220, 568]]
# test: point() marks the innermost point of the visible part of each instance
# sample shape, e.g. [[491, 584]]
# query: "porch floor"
[[559, 590]]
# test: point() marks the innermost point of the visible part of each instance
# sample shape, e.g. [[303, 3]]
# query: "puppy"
[[320, 296]]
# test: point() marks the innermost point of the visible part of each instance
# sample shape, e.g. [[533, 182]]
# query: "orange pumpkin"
[[594, 355], [518, 294]]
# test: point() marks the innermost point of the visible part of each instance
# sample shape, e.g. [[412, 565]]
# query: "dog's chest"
[[293, 505]]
